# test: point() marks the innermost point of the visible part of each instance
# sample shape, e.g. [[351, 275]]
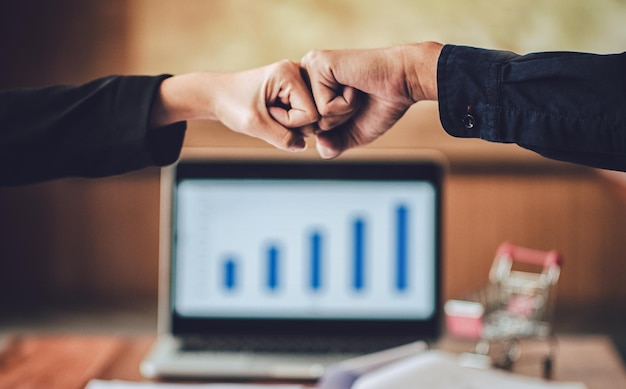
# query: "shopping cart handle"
[[531, 256]]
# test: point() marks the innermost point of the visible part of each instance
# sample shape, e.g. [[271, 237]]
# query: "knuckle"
[[312, 56], [283, 66], [325, 110], [285, 63]]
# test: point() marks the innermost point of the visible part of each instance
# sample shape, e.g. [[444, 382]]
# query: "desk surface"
[[69, 362]]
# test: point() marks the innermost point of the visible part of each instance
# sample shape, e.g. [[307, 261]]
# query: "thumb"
[[283, 138], [330, 144], [292, 103]]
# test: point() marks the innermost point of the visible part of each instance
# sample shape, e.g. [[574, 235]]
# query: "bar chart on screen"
[[306, 249], [273, 259]]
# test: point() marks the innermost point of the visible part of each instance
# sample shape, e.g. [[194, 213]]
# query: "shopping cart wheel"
[[505, 363], [547, 367], [509, 355]]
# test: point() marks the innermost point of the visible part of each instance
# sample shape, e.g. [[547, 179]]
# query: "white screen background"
[[240, 221]]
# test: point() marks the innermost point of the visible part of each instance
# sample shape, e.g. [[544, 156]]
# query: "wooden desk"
[[69, 362], [591, 359]]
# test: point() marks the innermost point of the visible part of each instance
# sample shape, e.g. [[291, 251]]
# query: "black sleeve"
[[563, 105], [91, 130]]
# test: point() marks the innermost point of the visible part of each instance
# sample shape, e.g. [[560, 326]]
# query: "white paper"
[[342, 375], [117, 384], [440, 370]]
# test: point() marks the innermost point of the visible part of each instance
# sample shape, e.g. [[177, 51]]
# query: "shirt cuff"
[[165, 143], [468, 85]]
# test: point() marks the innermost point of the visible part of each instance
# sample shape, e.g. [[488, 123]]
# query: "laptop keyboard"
[[291, 344]]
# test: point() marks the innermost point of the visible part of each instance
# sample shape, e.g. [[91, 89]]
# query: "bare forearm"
[[420, 69], [183, 97]]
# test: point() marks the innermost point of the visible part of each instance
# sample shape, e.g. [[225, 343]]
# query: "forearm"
[[419, 63], [567, 106], [184, 97]]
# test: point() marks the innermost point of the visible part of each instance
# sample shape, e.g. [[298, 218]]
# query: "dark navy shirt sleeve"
[[92, 130], [564, 105]]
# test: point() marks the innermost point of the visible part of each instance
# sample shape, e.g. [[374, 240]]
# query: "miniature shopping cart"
[[517, 303]]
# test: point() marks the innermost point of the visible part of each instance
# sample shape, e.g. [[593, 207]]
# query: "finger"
[[303, 110], [292, 117], [308, 130], [326, 149], [278, 135], [293, 105], [335, 102], [283, 138], [330, 144], [348, 102]]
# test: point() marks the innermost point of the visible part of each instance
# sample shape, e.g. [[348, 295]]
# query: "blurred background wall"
[[97, 240]]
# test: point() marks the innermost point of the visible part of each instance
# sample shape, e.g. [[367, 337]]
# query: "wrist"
[[181, 98], [420, 69]]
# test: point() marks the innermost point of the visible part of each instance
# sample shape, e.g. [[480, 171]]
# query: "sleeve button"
[[469, 121]]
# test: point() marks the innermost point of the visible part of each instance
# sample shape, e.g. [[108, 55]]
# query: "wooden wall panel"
[[572, 213]]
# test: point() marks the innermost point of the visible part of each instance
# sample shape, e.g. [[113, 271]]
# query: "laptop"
[[276, 269]]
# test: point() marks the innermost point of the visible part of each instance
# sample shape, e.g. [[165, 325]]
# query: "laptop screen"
[[296, 246]]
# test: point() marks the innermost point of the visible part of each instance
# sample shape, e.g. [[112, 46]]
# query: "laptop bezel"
[[179, 326]]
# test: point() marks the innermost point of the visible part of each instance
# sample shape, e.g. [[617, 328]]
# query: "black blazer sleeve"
[[91, 130]]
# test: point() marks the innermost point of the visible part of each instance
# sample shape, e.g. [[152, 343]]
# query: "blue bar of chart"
[[358, 241], [402, 239], [272, 267], [316, 260], [230, 274]]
